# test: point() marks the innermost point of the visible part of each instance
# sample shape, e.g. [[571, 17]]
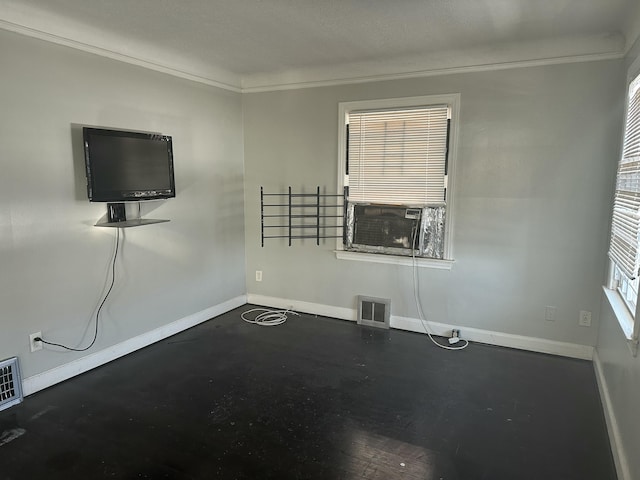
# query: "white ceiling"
[[250, 45]]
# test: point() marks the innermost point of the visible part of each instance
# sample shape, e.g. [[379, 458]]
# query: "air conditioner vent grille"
[[10, 383], [385, 226]]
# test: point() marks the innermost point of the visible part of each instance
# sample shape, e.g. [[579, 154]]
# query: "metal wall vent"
[[374, 312], [10, 383]]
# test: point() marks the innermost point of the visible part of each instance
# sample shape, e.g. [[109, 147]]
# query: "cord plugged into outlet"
[[36, 338], [35, 341], [455, 334]]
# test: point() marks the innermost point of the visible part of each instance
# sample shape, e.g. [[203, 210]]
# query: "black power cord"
[[95, 333]]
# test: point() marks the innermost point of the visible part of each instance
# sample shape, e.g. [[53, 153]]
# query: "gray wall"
[[54, 262], [620, 370], [532, 198], [621, 375], [538, 149]]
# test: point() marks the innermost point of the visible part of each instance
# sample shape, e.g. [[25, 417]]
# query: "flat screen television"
[[127, 166]]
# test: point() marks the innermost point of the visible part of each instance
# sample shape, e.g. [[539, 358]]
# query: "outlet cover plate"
[[550, 313], [35, 346], [585, 318]]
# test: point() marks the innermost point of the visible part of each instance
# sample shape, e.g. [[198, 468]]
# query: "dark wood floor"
[[315, 398]]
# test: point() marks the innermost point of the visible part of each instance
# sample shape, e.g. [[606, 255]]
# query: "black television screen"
[[123, 166]]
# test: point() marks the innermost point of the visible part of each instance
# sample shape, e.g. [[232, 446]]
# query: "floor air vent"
[[10, 383], [374, 312]]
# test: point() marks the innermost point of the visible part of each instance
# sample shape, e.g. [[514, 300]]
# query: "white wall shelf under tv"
[[134, 222]]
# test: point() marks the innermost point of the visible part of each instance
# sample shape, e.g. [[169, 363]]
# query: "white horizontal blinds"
[[398, 156], [625, 227]]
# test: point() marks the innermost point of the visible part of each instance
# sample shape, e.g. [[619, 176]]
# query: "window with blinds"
[[625, 225], [398, 156], [396, 163]]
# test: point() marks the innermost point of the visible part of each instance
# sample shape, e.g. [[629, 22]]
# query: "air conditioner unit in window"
[[388, 229]]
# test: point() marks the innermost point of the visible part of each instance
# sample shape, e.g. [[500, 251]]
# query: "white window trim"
[[622, 314], [628, 324], [395, 259], [453, 100], [621, 311]]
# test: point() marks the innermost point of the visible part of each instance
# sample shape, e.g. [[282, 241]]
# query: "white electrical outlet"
[[585, 318], [550, 313], [258, 275], [455, 336], [34, 344]]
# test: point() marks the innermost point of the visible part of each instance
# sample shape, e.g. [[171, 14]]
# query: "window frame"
[[629, 321], [453, 101]]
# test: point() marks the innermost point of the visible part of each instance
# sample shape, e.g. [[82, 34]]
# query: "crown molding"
[[300, 79], [104, 52], [632, 32], [434, 72], [480, 58]]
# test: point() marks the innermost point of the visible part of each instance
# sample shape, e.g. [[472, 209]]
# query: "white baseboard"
[[59, 374], [304, 307], [619, 456], [520, 342], [489, 337]]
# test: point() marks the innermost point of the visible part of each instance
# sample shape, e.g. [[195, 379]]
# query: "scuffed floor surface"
[[315, 398]]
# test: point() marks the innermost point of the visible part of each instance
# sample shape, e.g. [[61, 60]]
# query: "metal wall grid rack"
[[299, 216]]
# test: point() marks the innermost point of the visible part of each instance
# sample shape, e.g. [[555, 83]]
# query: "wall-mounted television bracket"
[[117, 218]]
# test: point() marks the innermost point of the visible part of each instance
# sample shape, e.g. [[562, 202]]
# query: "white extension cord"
[[455, 336], [267, 317]]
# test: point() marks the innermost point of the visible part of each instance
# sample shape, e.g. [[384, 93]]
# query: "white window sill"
[[621, 312], [394, 260]]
